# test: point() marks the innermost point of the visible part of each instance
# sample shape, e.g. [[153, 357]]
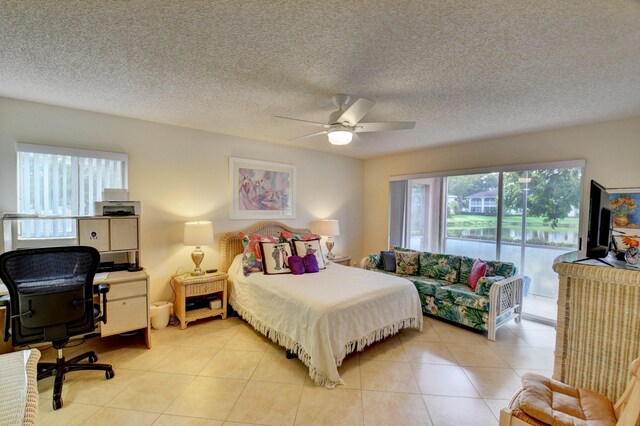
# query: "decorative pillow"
[[485, 283], [407, 262], [440, 266], [310, 263], [252, 258], [296, 264], [396, 248], [304, 248], [478, 270], [290, 237], [373, 261], [504, 269], [388, 261], [275, 258]]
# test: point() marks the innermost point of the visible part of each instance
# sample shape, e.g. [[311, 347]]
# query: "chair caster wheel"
[[57, 402], [109, 374], [93, 358]]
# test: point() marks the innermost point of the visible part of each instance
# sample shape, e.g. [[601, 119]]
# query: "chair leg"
[[90, 355], [57, 388]]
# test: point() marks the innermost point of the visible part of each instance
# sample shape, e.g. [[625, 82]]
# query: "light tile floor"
[[224, 373]]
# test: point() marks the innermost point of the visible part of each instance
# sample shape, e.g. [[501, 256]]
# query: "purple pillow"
[[310, 263], [296, 264]]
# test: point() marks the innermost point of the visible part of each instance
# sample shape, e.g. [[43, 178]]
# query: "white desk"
[[127, 304]]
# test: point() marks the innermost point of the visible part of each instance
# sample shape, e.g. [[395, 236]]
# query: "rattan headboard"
[[231, 243]]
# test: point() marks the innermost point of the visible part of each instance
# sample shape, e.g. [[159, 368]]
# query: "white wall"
[[612, 151], [181, 174]]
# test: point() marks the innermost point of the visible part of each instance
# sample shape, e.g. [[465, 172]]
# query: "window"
[[55, 181], [526, 214]]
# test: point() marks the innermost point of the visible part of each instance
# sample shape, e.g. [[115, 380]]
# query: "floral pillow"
[[290, 237], [407, 262], [252, 258]]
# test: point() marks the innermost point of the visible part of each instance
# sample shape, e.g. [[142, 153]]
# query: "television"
[[599, 226]]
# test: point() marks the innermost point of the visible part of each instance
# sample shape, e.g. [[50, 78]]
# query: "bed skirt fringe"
[[354, 346]]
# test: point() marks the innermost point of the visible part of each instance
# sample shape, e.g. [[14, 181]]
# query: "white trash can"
[[160, 312]]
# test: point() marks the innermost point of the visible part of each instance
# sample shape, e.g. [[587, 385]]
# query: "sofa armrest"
[[504, 296]]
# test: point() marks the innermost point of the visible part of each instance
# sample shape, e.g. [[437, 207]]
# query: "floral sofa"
[[441, 280]]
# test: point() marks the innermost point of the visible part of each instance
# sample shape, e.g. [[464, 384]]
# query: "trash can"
[[160, 312]]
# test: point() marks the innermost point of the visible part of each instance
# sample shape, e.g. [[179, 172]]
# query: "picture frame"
[[625, 210], [261, 189]]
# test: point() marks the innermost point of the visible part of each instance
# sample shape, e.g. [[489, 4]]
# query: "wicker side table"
[[189, 286]]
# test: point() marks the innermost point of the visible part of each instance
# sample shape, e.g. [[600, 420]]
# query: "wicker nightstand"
[[341, 260], [189, 286]]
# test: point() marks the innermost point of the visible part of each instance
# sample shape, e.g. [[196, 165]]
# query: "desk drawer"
[[125, 315], [124, 290]]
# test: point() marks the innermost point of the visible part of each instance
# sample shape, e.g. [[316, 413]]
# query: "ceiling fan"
[[344, 122]]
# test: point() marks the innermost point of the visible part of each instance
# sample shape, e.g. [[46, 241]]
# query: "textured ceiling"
[[463, 70]]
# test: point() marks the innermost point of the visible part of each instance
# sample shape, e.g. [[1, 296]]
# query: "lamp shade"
[[328, 228], [198, 233]]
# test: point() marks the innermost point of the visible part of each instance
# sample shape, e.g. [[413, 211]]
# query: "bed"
[[320, 317]]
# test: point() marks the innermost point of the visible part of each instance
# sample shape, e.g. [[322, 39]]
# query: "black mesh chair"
[[51, 299]]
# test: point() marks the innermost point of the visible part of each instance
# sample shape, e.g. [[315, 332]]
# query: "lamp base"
[[197, 257], [330, 245]]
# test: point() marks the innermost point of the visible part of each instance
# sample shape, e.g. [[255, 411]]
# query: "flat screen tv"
[[599, 226]]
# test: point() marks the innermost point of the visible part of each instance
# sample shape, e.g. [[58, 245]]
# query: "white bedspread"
[[322, 317]]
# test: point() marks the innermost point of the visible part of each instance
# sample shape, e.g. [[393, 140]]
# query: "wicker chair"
[[543, 401], [51, 299]]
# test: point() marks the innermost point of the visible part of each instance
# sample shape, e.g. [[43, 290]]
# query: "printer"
[[117, 208]]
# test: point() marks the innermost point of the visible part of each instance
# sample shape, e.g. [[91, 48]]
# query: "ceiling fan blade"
[[383, 127], [324, 132], [355, 112], [325, 125]]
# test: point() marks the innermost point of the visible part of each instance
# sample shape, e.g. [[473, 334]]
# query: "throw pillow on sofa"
[[407, 262], [478, 270], [388, 261]]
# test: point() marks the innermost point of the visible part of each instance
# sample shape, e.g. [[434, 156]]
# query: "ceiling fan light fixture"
[[340, 136]]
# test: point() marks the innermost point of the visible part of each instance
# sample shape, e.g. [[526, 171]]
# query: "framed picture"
[[261, 189], [625, 208]]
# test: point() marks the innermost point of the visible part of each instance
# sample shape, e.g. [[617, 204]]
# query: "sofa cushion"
[[427, 286], [373, 261], [407, 263], [494, 267], [462, 294], [440, 266], [556, 403], [485, 283], [503, 269]]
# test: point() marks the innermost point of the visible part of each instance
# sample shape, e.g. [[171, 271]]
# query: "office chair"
[[51, 299]]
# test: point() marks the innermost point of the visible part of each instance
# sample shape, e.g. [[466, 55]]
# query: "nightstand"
[[341, 260], [189, 287]]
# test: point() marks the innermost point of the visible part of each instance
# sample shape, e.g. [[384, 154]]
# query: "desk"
[[127, 305]]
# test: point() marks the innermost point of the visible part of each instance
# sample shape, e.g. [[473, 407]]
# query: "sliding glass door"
[[471, 226], [526, 217], [540, 221]]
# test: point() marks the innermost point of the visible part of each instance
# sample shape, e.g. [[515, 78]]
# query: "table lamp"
[[329, 228], [198, 234]]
